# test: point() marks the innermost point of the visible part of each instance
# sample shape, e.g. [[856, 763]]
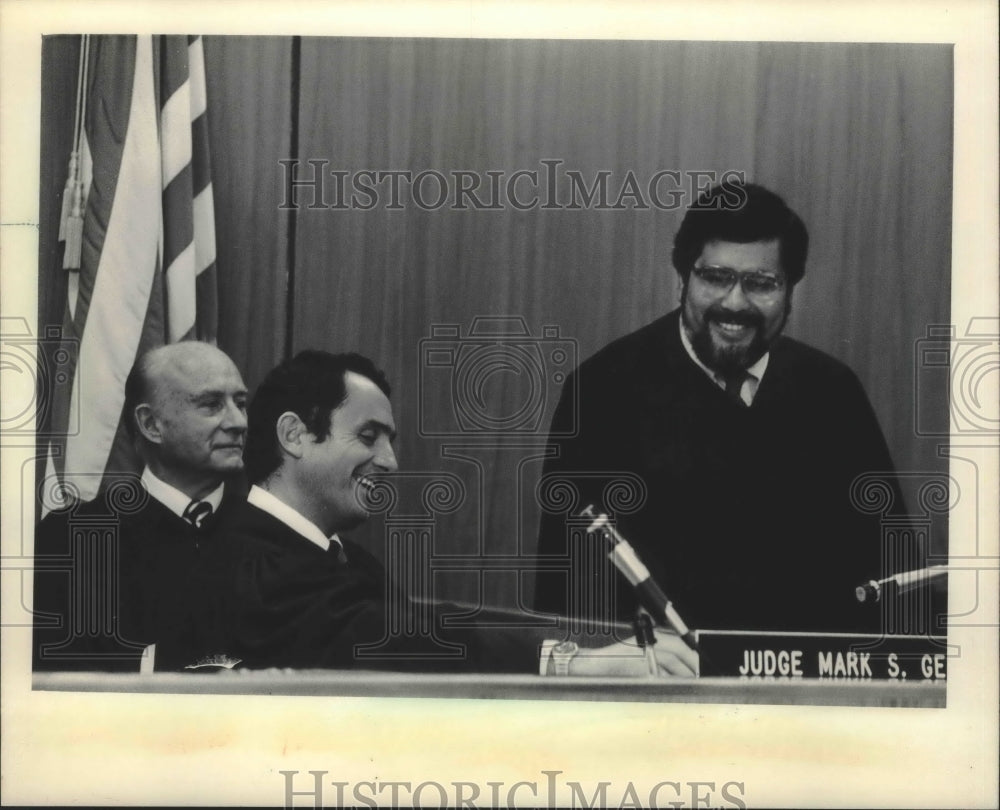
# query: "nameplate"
[[758, 655]]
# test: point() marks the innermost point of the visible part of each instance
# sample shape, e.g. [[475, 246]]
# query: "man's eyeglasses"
[[722, 279]]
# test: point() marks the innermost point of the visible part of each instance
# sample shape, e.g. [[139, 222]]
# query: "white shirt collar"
[[755, 372], [172, 498], [277, 508]]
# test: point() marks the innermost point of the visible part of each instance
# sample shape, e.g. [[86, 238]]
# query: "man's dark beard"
[[726, 360]]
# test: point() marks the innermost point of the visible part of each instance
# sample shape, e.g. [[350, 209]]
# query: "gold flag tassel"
[[67, 197], [71, 221]]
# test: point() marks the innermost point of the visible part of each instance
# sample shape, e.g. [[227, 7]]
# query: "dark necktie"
[[734, 386], [196, 513], [337, 551]]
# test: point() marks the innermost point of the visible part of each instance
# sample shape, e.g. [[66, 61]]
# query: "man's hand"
[[673, 657]]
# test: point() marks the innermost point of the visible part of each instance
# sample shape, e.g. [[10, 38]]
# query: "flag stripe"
[[175, 127], [204, 231], [173, 65], [196, 73], [180, 282], [201, 166], [123, 456], [178, 209], [204, 209], [208, 306]]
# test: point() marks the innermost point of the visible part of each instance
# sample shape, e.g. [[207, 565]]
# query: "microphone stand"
[[650, 596]]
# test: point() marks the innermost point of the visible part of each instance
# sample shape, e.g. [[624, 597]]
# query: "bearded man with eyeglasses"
[[740, 446]]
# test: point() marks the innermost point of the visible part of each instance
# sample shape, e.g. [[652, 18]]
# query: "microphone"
[[650, 596], [903, 582]]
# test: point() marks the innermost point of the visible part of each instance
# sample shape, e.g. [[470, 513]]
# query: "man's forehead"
[[761, 255], [194, 371], [365, 403]]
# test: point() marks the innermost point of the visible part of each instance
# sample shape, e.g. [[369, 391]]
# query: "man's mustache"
[[743, 317]]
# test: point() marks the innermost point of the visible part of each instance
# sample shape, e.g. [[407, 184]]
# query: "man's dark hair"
[[310, 385], [742, 212], [136, 392]]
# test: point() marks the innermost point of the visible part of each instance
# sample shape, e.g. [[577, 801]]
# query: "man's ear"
[[291, 433], [147, 424]]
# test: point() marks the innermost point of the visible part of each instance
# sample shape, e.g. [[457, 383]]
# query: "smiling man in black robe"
[[745, 444], [282, 588]]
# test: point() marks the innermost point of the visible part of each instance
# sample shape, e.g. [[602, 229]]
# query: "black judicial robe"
[[743, 515], [270, 597], [111, 577]]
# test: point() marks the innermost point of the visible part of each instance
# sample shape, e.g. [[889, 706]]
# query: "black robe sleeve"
[[271, 598]]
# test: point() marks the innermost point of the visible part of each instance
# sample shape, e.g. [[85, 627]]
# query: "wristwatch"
[[562, 654]]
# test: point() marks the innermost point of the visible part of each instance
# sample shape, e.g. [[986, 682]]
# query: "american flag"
[[147, 255]]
